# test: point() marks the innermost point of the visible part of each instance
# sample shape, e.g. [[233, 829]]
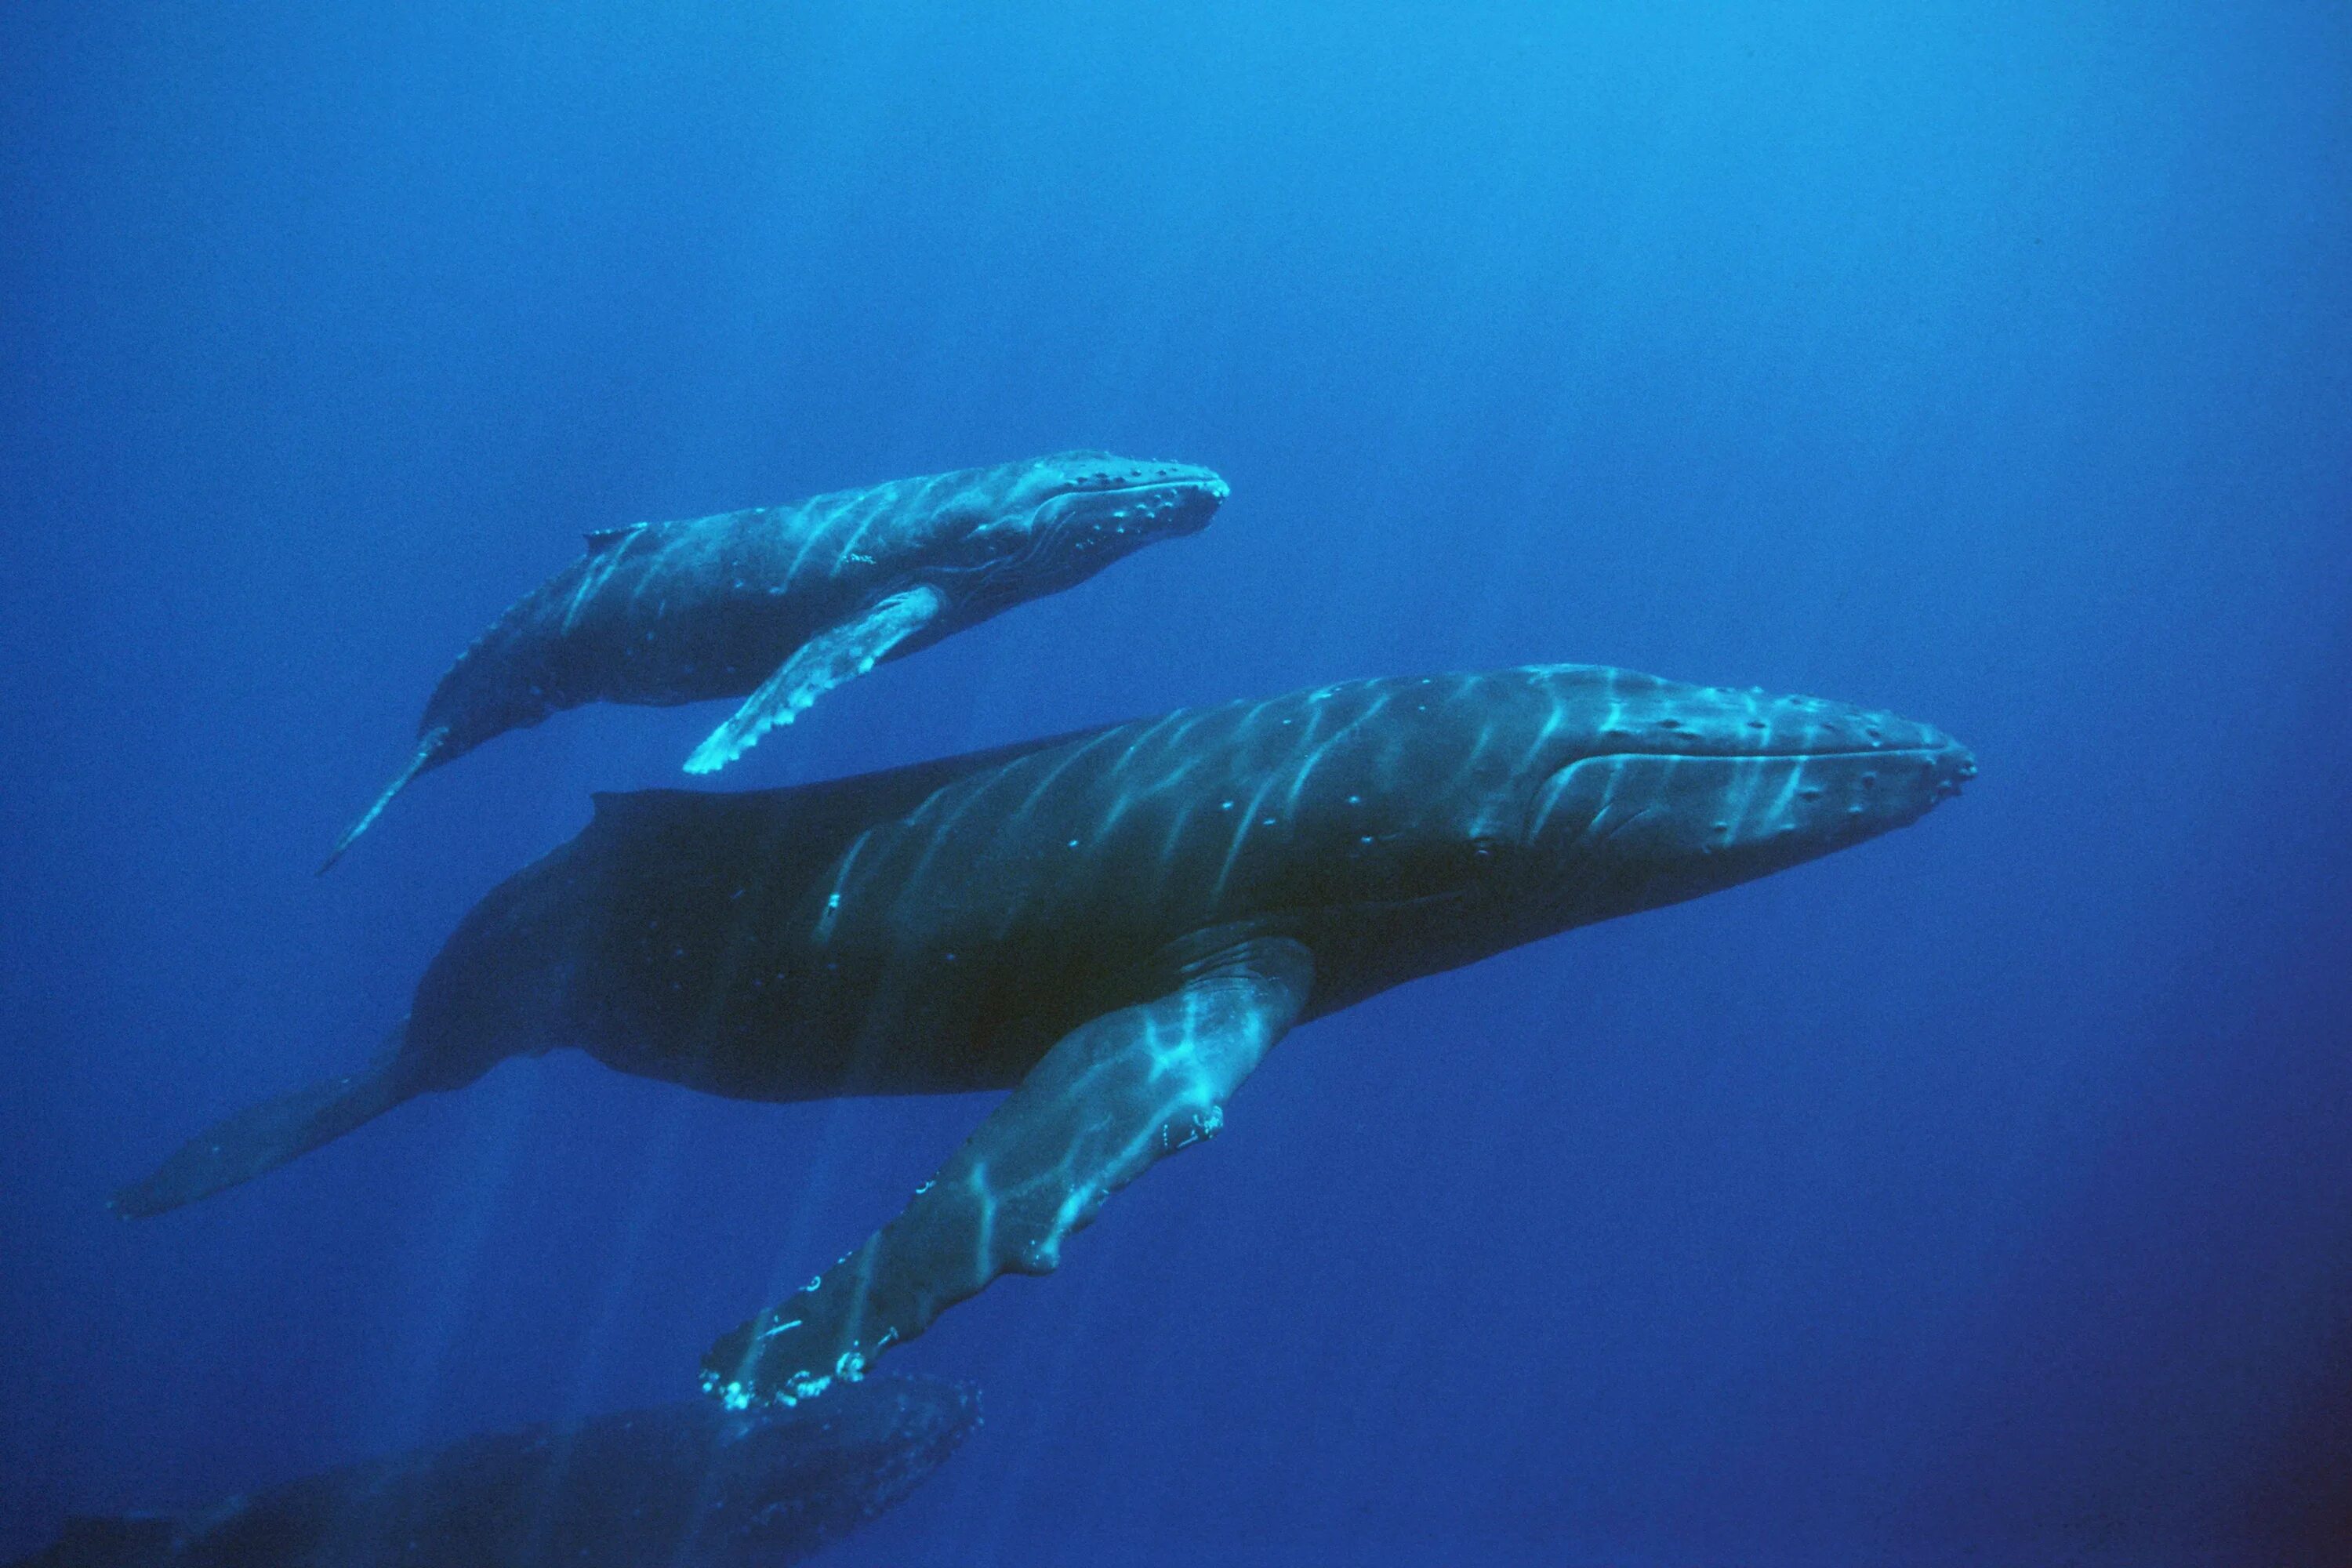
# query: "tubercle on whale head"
[[1072, 514]]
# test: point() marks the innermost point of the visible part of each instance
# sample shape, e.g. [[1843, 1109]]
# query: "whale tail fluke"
[[265, 1136], [427, 750]]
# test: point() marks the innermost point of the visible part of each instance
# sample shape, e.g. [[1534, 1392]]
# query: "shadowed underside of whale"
[[683, 1485], [786, 602], [1116, 925]]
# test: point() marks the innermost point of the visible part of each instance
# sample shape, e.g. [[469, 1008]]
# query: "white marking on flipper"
[[828, 660]]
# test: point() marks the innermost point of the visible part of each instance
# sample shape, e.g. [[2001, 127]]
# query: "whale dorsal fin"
[[600, 539]]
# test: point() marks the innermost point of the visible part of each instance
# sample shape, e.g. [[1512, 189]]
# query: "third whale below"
[[1116, 925], [786, 602]]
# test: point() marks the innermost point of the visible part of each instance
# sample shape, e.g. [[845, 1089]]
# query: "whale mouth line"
[[1217, 487], [1138, 505], [1927, 754], [1923, 776], [1950, 765]]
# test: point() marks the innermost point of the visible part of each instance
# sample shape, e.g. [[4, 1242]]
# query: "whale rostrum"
[[785, 603], [1115, 925]]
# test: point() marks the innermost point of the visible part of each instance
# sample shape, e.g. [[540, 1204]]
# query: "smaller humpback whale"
[[1115, 925], [685, 1486], [786, 602]]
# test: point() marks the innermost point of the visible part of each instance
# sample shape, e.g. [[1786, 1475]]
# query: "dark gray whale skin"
[[784, 603], [689, 1485], [1116, 925]]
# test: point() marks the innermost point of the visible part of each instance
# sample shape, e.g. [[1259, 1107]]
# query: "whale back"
[[827, 813], [648, 907]]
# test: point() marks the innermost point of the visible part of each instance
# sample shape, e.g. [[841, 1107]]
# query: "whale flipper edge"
[[1112, 1098], [831, 657]]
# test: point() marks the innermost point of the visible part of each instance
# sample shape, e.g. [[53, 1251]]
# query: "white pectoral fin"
[[831, 657], [1112, 1097]]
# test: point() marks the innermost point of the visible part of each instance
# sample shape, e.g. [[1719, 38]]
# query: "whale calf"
[[688, 1485], [786, 602], [1116, 925]]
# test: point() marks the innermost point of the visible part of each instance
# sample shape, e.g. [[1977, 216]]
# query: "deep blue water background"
[[1984, 1193]]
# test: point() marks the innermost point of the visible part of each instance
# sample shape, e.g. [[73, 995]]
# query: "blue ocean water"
[[1981, 1195]]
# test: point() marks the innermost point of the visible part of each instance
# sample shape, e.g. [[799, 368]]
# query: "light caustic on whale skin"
[[786, 602], [1116, 925]]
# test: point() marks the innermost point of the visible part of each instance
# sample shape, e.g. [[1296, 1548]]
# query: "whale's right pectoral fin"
[[831, 657], [1113, 1096], [265, 1136]]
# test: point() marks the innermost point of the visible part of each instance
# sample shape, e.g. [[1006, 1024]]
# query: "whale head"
[[1483, 811], [1639, 791], [1058, 520]]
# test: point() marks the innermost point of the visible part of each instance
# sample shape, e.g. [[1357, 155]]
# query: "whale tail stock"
[[263, 1137], [428, 748]]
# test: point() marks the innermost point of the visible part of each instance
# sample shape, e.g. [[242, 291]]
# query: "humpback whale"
[[786, 602], [688, 1485], [1115, 925]]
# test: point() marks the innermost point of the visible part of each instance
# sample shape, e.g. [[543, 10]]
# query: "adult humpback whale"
[[1116, 925], [786, 602]]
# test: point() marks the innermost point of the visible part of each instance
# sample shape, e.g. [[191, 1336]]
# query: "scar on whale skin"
[[780, 604]]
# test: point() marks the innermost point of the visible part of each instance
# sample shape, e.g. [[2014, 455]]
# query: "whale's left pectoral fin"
[[1113, 1096], [831, 657]]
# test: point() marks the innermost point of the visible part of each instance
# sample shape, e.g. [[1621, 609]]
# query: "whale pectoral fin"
[[831, 657], [1113, 1096], [265, 1136]]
